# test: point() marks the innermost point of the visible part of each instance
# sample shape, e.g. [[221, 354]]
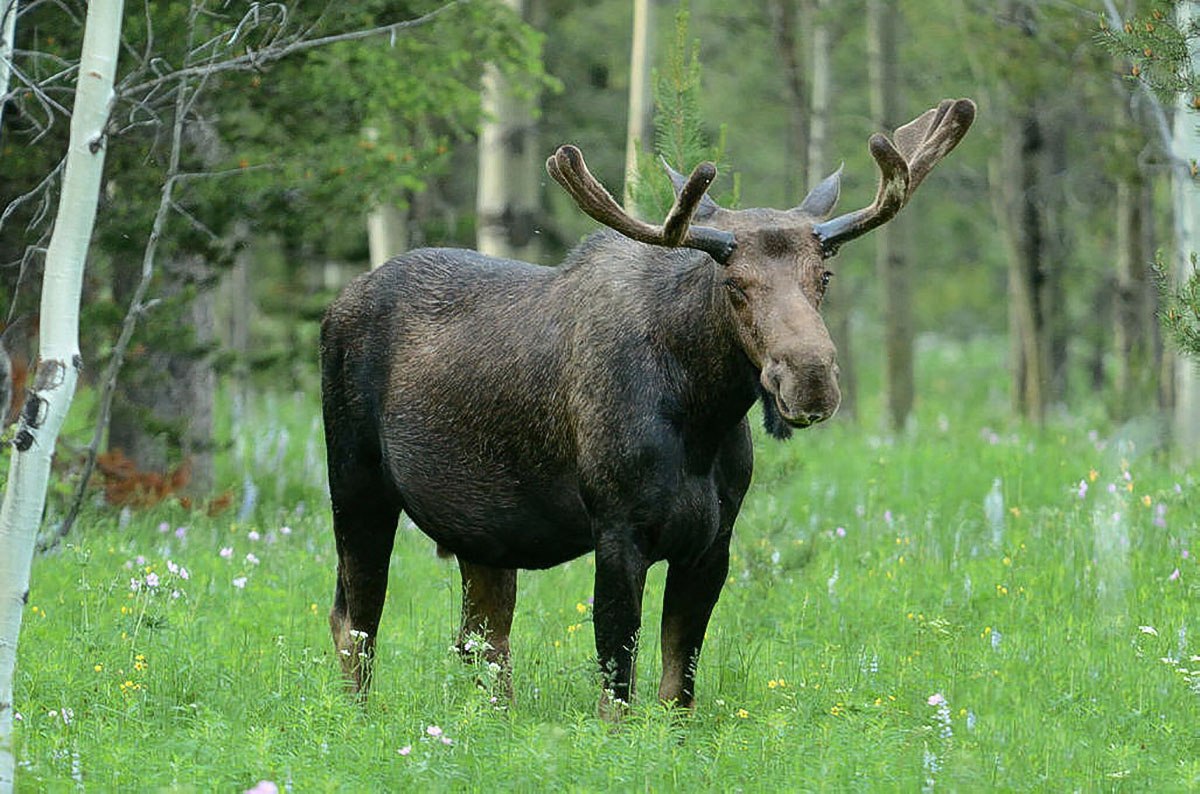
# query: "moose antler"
[[568, 169], [918, 147]]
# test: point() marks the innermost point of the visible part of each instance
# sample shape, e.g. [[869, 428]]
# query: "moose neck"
[[718, 383]]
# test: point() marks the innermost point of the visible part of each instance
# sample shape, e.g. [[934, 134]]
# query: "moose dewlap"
[[523, 416]]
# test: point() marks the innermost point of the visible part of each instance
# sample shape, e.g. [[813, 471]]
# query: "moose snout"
[[805, 387]]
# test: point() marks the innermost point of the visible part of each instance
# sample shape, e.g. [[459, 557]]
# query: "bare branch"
[[42, 187], [256, 60]]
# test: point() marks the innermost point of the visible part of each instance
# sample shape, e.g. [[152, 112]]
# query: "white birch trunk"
[[59, 363], [8, 31], [495, 188], [822, 85], [1186, 149], [639, 96]]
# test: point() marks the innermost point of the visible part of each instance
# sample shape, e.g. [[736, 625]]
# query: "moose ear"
[[821, 200], [705, 208]]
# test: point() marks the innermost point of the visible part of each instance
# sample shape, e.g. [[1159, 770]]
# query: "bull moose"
[[523, 416]]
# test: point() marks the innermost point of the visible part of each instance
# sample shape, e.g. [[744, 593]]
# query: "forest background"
[[1031, 252], [1045, 228]]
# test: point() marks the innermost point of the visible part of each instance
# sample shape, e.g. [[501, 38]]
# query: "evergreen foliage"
[[680, 137]]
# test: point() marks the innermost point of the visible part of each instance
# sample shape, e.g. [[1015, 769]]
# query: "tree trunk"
[[1013, 175], [821, 87], [1133, 315], [387, 233], [509, 174], [8, 31], [787, 28], [58, 369], [638, 130], [891, 255], [1186, 149]]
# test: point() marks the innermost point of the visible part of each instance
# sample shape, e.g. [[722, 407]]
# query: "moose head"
[[776, 263]]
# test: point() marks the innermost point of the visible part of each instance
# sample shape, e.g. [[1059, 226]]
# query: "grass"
[[878, 632]]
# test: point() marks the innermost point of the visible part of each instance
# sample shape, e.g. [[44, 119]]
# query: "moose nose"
[[805, 393]]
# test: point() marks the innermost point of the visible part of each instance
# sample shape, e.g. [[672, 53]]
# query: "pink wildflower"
[[1174, 575], [240, 582], [434, 731], [226, 552], [262, 787], [405, 750], [253, 534], [937, 699]]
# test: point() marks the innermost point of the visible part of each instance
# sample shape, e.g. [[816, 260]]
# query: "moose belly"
[[501, 523]]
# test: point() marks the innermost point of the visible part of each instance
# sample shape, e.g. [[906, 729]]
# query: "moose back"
[[523, 416]]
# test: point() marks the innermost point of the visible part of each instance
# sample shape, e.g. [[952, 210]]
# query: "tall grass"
[[878, 631]]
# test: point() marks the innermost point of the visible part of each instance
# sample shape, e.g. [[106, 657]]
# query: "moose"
[[522, 416]]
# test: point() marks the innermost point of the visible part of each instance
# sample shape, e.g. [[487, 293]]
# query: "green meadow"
[[972, 604]]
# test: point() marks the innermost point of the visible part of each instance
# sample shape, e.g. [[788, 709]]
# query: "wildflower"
[[1146, 500], [226, 552], [1160, 515], [1082, 490], [134, 585], [937, 699], [181, 532], [262, 787], [840, 532], [887, 517], [164, 527], [1112, 487], [742, 714], [405, 750], [434, 731], [98, 667], [285, 530], [253, 534], [1093, 475], [1153, 632], [18, 717], [447, 740], [139, 560], [252, 559], [240, 582], [1174, 575], [152, 580], [996, 638], [581, 608]]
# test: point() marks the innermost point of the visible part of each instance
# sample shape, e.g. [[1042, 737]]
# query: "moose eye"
[[735, 289], [825, 277]]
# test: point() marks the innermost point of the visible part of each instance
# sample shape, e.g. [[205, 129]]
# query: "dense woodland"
[[297, 168]]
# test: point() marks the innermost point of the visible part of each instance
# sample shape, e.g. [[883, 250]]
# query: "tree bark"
[[891, 239], [1013, 177], [638, 130], [8, 32], [58, 369], [788, 28], [509, 173], [821, 87]]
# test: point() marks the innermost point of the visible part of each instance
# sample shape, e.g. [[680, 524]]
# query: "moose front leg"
[[617, 616], [691, 593]]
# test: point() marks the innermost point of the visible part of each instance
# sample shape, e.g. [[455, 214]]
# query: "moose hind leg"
[[365, 531], [488, 599]]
